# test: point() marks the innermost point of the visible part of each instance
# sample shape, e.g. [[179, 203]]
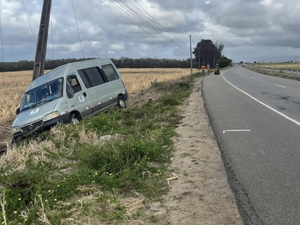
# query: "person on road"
[[203, 70], [208, 68]]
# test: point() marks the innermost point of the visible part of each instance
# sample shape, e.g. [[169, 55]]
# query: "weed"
[[153, 219]]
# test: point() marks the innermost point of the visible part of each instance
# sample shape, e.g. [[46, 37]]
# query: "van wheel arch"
[[121, 102], [75, 117]]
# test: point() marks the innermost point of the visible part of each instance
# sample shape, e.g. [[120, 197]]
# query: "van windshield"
[[42, 94]]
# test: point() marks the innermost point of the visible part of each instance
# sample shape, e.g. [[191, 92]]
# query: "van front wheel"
[[74, 119], [121, 102]]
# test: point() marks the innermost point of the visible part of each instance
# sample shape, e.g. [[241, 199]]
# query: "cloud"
[[254, 30]]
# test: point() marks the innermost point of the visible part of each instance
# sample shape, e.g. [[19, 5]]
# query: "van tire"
[[74, 119], [121, 102]]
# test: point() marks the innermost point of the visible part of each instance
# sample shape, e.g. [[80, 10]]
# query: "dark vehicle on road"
[[217, 70]]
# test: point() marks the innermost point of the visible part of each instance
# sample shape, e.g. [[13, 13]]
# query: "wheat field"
[[14, 84]]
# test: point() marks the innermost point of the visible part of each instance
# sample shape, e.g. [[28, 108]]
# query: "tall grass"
[[69, 175]]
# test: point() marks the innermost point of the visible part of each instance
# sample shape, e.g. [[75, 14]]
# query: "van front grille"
[[31, 127]]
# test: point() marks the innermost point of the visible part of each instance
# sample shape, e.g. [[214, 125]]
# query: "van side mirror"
[[70, 94], [17, 111], [70, 91]]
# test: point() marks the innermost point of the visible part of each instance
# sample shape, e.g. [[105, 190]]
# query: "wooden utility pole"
[[191, 54], [199, 61], [41, 46]]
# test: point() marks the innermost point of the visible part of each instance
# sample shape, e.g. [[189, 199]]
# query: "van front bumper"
[[40, 126]]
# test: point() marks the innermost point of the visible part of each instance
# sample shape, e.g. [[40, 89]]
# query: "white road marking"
[[280, 86], [269, 107], [253, 78], [262, 151], [224, 131]]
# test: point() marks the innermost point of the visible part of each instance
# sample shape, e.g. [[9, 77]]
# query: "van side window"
[[110, 72], [74, 83], [91, 77]]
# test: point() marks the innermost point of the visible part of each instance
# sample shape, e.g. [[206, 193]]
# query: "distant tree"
[[207, 52], [242, 62], [224, 61]]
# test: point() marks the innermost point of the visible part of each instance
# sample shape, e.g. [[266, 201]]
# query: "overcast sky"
[[251, 30]]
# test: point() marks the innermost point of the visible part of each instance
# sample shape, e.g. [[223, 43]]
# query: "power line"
[[154, 24], [129, 17], [52, 35], [154, 18], [77, 29], [139, 19], [2, 45], [161, 25], [143, 18], [29, 21], [135, 15]]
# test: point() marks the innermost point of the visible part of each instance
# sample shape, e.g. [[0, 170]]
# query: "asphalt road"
[[256, 121]]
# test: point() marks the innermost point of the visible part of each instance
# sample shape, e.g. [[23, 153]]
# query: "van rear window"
[[110, 72], [91, 77]]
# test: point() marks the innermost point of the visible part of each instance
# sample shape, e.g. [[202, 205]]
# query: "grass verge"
[[274, 73], [82, 173]]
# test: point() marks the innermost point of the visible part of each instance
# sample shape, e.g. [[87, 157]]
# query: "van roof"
[[67, 69]]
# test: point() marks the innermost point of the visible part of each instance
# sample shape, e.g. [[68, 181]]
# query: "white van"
[[69, 93]]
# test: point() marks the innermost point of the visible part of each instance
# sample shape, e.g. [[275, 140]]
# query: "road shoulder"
[[201, 194]]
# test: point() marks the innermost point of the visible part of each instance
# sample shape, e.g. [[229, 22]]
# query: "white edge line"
[[269, 107], [280, 86], [224, 131]]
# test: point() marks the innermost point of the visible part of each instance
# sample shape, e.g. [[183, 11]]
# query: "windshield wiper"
[[44, 101], [30, 106], [41, 102]]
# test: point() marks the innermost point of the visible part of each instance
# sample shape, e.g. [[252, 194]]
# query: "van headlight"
[[15, 130], [51, 116]]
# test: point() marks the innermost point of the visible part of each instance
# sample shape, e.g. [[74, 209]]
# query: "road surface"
[[256, 121]]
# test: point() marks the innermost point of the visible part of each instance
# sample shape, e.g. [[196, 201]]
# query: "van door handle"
[[84, 94]]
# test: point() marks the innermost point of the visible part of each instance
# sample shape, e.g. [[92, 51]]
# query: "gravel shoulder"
[[201, 194]]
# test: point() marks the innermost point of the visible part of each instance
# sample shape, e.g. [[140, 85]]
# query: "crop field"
[[14, 84], [290, 66]]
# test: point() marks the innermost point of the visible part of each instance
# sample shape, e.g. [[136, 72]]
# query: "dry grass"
[[17, 156], [14, 84], [140, 79], [12, 87], [291, 66]]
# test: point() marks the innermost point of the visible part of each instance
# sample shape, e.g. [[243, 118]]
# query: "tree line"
[[205, 52], [123, 62]]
